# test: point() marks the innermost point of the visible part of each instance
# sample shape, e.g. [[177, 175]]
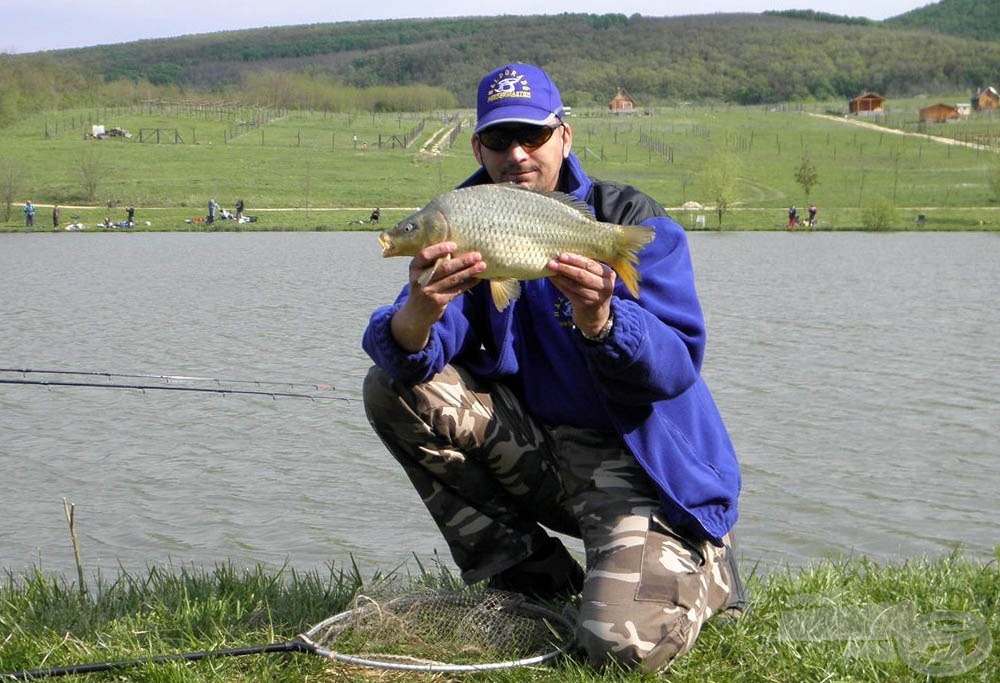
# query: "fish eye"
[[409, 227]]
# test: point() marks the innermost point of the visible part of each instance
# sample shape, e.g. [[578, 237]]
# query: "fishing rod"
[[169, 378], [172, 387]]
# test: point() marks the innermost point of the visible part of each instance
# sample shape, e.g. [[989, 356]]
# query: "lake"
[[858, 374]]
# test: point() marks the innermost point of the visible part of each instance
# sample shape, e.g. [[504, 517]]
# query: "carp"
[[517, 231]]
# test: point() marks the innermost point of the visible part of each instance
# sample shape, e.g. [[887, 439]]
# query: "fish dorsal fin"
[[504, 290], [561, 197], [569, 200]]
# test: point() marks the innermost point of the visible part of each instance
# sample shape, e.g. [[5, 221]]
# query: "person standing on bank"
[[578, 409]]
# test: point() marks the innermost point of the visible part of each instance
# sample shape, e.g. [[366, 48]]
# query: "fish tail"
[[633, 239]]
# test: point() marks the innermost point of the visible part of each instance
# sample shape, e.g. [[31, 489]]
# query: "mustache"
[[510, 169]]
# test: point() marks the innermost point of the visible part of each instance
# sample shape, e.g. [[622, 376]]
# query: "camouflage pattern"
[[492, 478]]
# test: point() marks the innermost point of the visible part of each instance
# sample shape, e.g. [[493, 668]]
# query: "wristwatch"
[[601, 336]]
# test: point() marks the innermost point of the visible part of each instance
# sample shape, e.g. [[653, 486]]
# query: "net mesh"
[[452, 627]]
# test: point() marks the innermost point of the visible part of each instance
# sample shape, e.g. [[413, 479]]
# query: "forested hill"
[[744, 58], [741, 58], [976, 19], [971, 19]]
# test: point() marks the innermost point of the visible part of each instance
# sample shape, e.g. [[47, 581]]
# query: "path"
[[896, 131], [439, 139]]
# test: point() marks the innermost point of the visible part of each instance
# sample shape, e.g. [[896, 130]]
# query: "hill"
[[971, 19], [737, 58], [742, 58]]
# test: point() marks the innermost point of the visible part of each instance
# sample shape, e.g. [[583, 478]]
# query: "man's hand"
[[450, 276], [588, 284]]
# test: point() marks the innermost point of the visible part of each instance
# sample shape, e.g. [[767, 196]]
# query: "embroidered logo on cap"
[[509, 83]]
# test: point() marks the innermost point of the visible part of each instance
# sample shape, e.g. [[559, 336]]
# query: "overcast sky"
[[34, 25]]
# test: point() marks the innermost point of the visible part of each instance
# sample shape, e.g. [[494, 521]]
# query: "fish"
[[517, 231]]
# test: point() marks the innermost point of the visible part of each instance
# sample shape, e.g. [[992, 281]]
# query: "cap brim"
[[528, 115]]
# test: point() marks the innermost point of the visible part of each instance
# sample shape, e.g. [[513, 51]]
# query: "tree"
[[806, 176], [720, 178], [92, 170], [994, 179], [10, 185]]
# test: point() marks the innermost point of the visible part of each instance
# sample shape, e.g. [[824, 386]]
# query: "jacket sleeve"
[[483, 346], [445, 337], [657, 343]]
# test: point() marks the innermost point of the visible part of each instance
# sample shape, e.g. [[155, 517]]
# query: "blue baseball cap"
[[518, 93]]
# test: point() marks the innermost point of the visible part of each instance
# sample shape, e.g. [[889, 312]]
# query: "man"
[[579, 409]]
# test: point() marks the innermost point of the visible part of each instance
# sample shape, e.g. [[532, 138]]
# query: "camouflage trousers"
[[492, 478]]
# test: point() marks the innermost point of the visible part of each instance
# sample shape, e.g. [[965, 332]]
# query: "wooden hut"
[[938, 113], [866, 103], [622, 102], [986, 98]]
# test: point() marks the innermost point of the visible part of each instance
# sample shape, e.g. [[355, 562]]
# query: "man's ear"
[[477, 150], [567, 138]]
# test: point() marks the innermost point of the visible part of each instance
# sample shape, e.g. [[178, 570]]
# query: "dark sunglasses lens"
[[530, 137], [535, 137]]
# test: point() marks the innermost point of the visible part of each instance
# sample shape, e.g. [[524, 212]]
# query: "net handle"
[[298, 644], [304, 643]]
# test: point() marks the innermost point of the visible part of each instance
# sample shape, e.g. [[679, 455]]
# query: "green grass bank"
[[310, 170], [850, 620]]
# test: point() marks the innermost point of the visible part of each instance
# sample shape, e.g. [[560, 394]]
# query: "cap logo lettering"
[[509, 84]]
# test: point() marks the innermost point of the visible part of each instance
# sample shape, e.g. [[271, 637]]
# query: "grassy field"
[[848, 621], [313, 170]]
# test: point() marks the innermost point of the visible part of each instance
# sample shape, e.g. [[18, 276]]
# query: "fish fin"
[[571, 201], [633, 239], [563, 197], [504, 290], [426, 276]]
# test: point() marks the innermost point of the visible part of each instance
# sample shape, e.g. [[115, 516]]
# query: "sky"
[[36, 25]]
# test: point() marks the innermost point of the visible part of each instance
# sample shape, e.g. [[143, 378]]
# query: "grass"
[[45, 621], [305, 171]]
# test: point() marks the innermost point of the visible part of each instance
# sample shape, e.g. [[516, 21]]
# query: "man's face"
[[520, 153]]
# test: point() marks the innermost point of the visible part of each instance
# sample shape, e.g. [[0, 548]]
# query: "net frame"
[[501, 630]]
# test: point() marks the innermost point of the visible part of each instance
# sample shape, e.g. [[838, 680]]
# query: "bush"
[[879, 214]]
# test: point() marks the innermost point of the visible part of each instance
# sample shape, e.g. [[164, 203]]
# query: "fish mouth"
[[385, 241]]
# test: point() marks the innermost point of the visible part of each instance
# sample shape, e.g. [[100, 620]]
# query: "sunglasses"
[[499, 138]]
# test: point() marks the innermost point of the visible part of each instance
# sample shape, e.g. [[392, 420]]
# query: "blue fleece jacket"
[[644, 382]]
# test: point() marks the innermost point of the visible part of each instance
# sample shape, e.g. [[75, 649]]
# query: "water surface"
[[858, 374]]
